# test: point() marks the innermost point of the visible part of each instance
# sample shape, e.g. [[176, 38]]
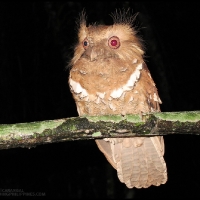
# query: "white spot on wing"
[[76, 87], [131, 99], [84, 93], [112, 107], [82, 72], [117, 93], [130, 83], [149, 74], [155, 97], [101, 95], [134, 60], [133, 78], [97, 101]]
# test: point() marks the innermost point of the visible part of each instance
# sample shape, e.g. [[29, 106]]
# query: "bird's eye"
[[85, 43], [114, 42]]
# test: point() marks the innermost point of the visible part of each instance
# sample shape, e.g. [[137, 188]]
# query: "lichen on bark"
[[93, 127]]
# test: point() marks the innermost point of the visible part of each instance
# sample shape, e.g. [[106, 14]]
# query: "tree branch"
[[88, 127]]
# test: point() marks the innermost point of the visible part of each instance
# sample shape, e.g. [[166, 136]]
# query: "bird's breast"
[[105, 89], [107, 75]]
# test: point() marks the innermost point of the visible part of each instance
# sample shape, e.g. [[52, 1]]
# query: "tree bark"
[[93, 127]]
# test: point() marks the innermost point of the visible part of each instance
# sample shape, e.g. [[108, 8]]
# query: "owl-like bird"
[[108, 75]]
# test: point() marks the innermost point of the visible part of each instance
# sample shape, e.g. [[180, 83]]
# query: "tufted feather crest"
[[124, 17]]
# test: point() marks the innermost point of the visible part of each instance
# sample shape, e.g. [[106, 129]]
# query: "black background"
[[36, 43]]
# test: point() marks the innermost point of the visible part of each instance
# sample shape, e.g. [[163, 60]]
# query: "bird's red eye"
[[85, 43], [114, 42]]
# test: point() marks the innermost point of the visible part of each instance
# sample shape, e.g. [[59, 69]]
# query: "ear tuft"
[[124, 16]]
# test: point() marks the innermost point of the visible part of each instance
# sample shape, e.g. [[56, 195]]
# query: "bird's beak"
[[93, 52]]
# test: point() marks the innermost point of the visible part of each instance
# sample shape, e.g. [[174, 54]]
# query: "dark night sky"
[[36, 43]]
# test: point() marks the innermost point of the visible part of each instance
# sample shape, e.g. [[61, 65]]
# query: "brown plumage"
[[109, 76]]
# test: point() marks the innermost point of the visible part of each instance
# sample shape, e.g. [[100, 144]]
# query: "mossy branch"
[[88, 127]]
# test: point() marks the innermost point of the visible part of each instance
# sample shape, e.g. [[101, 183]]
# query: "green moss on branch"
[[88, 127]]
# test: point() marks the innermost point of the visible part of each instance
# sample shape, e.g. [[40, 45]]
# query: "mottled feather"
[[109, 76]]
